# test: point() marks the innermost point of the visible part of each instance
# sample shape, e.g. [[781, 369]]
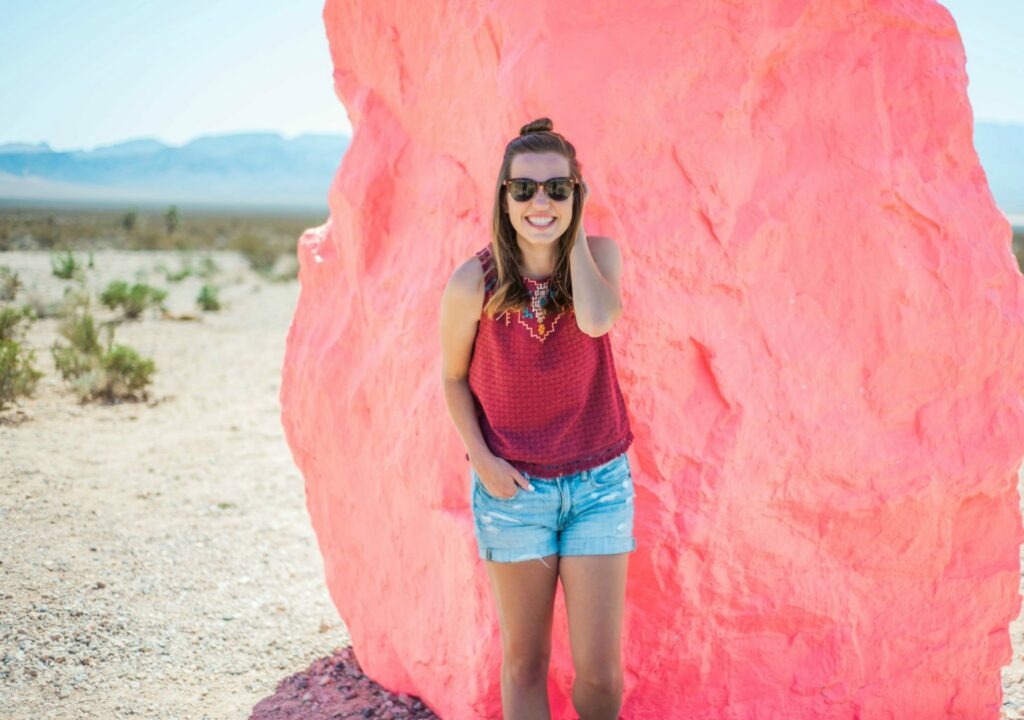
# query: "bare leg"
[[525, 595], [595, 595]]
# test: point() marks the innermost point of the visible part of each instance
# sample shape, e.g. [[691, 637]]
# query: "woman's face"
[[539, 167]]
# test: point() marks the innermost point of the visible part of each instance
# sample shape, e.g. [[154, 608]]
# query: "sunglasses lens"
[[558, 188], [522, 190]]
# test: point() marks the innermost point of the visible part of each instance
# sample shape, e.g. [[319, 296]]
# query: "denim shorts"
[[585, 513]]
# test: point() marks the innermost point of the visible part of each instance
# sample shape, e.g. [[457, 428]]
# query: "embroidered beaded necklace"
[[534, 317]]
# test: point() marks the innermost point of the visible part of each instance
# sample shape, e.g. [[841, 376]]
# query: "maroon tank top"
[[546, 394]]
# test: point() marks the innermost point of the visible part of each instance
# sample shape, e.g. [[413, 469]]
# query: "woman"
[[531, 387]]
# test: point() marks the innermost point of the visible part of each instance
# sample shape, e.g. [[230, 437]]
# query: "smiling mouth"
[[546, 221]]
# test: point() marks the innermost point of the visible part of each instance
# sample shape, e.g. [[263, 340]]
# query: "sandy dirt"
[[156, 558]]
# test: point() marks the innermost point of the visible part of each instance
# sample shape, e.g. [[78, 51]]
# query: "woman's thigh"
[[525, 595], [595, 595]]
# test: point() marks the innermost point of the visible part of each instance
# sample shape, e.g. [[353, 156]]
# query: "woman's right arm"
[[461, 305], [460, 316]]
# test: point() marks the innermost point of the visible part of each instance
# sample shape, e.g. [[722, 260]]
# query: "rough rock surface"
[[335, 687], [821, 351]]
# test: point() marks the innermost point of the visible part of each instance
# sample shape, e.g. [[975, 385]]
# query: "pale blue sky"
[[79, 74]]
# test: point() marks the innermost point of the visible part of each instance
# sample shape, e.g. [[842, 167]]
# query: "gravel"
[[156, 558]]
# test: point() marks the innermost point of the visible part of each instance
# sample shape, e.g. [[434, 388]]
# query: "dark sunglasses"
[[557, 189]]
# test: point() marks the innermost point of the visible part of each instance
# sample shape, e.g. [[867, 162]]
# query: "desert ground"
[[156, 557]]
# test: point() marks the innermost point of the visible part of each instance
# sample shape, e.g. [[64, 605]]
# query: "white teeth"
[[537, 222]]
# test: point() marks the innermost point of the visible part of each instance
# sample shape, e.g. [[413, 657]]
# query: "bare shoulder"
[[467, 279], [463, 296]]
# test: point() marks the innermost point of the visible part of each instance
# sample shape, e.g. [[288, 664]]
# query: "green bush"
[[127, 372], [179, 275], [184, 270], [18, 375], [132, 299], [83, 333], [98, 369], [207, 298], [9, 283], [10, 320], [65, 266]]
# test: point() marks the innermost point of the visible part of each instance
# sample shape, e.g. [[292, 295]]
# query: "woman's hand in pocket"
[[499, 478]]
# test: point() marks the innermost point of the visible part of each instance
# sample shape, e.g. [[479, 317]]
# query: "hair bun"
[[538, 125]]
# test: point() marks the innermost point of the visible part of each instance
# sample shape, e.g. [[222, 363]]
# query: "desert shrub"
[[65, 266], [207, 298], [178, 275], [18, 374], [132, 299], [96, 368], [39, 307], [10, 283], [259, 251], [208, 267], [184, 270], [11, 319], [84, 334], [76, 298], [172, 219], [128, 373], [129, 220]]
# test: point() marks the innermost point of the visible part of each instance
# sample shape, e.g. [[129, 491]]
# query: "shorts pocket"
[[483, 489], [611, 473]]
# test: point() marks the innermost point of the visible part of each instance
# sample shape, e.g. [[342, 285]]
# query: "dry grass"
[[261, 238]]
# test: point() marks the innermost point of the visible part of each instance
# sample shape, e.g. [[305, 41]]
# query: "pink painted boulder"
[[822, 349]]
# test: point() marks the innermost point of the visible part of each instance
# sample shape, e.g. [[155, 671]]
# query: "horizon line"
[[138, 138], [288, 136]]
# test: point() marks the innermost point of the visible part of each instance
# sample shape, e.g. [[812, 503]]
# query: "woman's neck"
[[538, 263]]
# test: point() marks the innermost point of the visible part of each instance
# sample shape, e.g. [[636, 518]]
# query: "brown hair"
[[510, 291]]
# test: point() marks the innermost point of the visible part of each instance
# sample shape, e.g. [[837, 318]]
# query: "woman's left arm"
[[596, 267]]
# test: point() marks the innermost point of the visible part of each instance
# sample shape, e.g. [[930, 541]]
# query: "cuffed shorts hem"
[[515, 554], [598, 546], [593, 546]]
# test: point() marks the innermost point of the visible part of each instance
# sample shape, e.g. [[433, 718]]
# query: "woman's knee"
[[601, 679], [527, 670]]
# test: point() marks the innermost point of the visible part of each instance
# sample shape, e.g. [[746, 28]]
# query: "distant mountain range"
[[266, 170], [247, 169]]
